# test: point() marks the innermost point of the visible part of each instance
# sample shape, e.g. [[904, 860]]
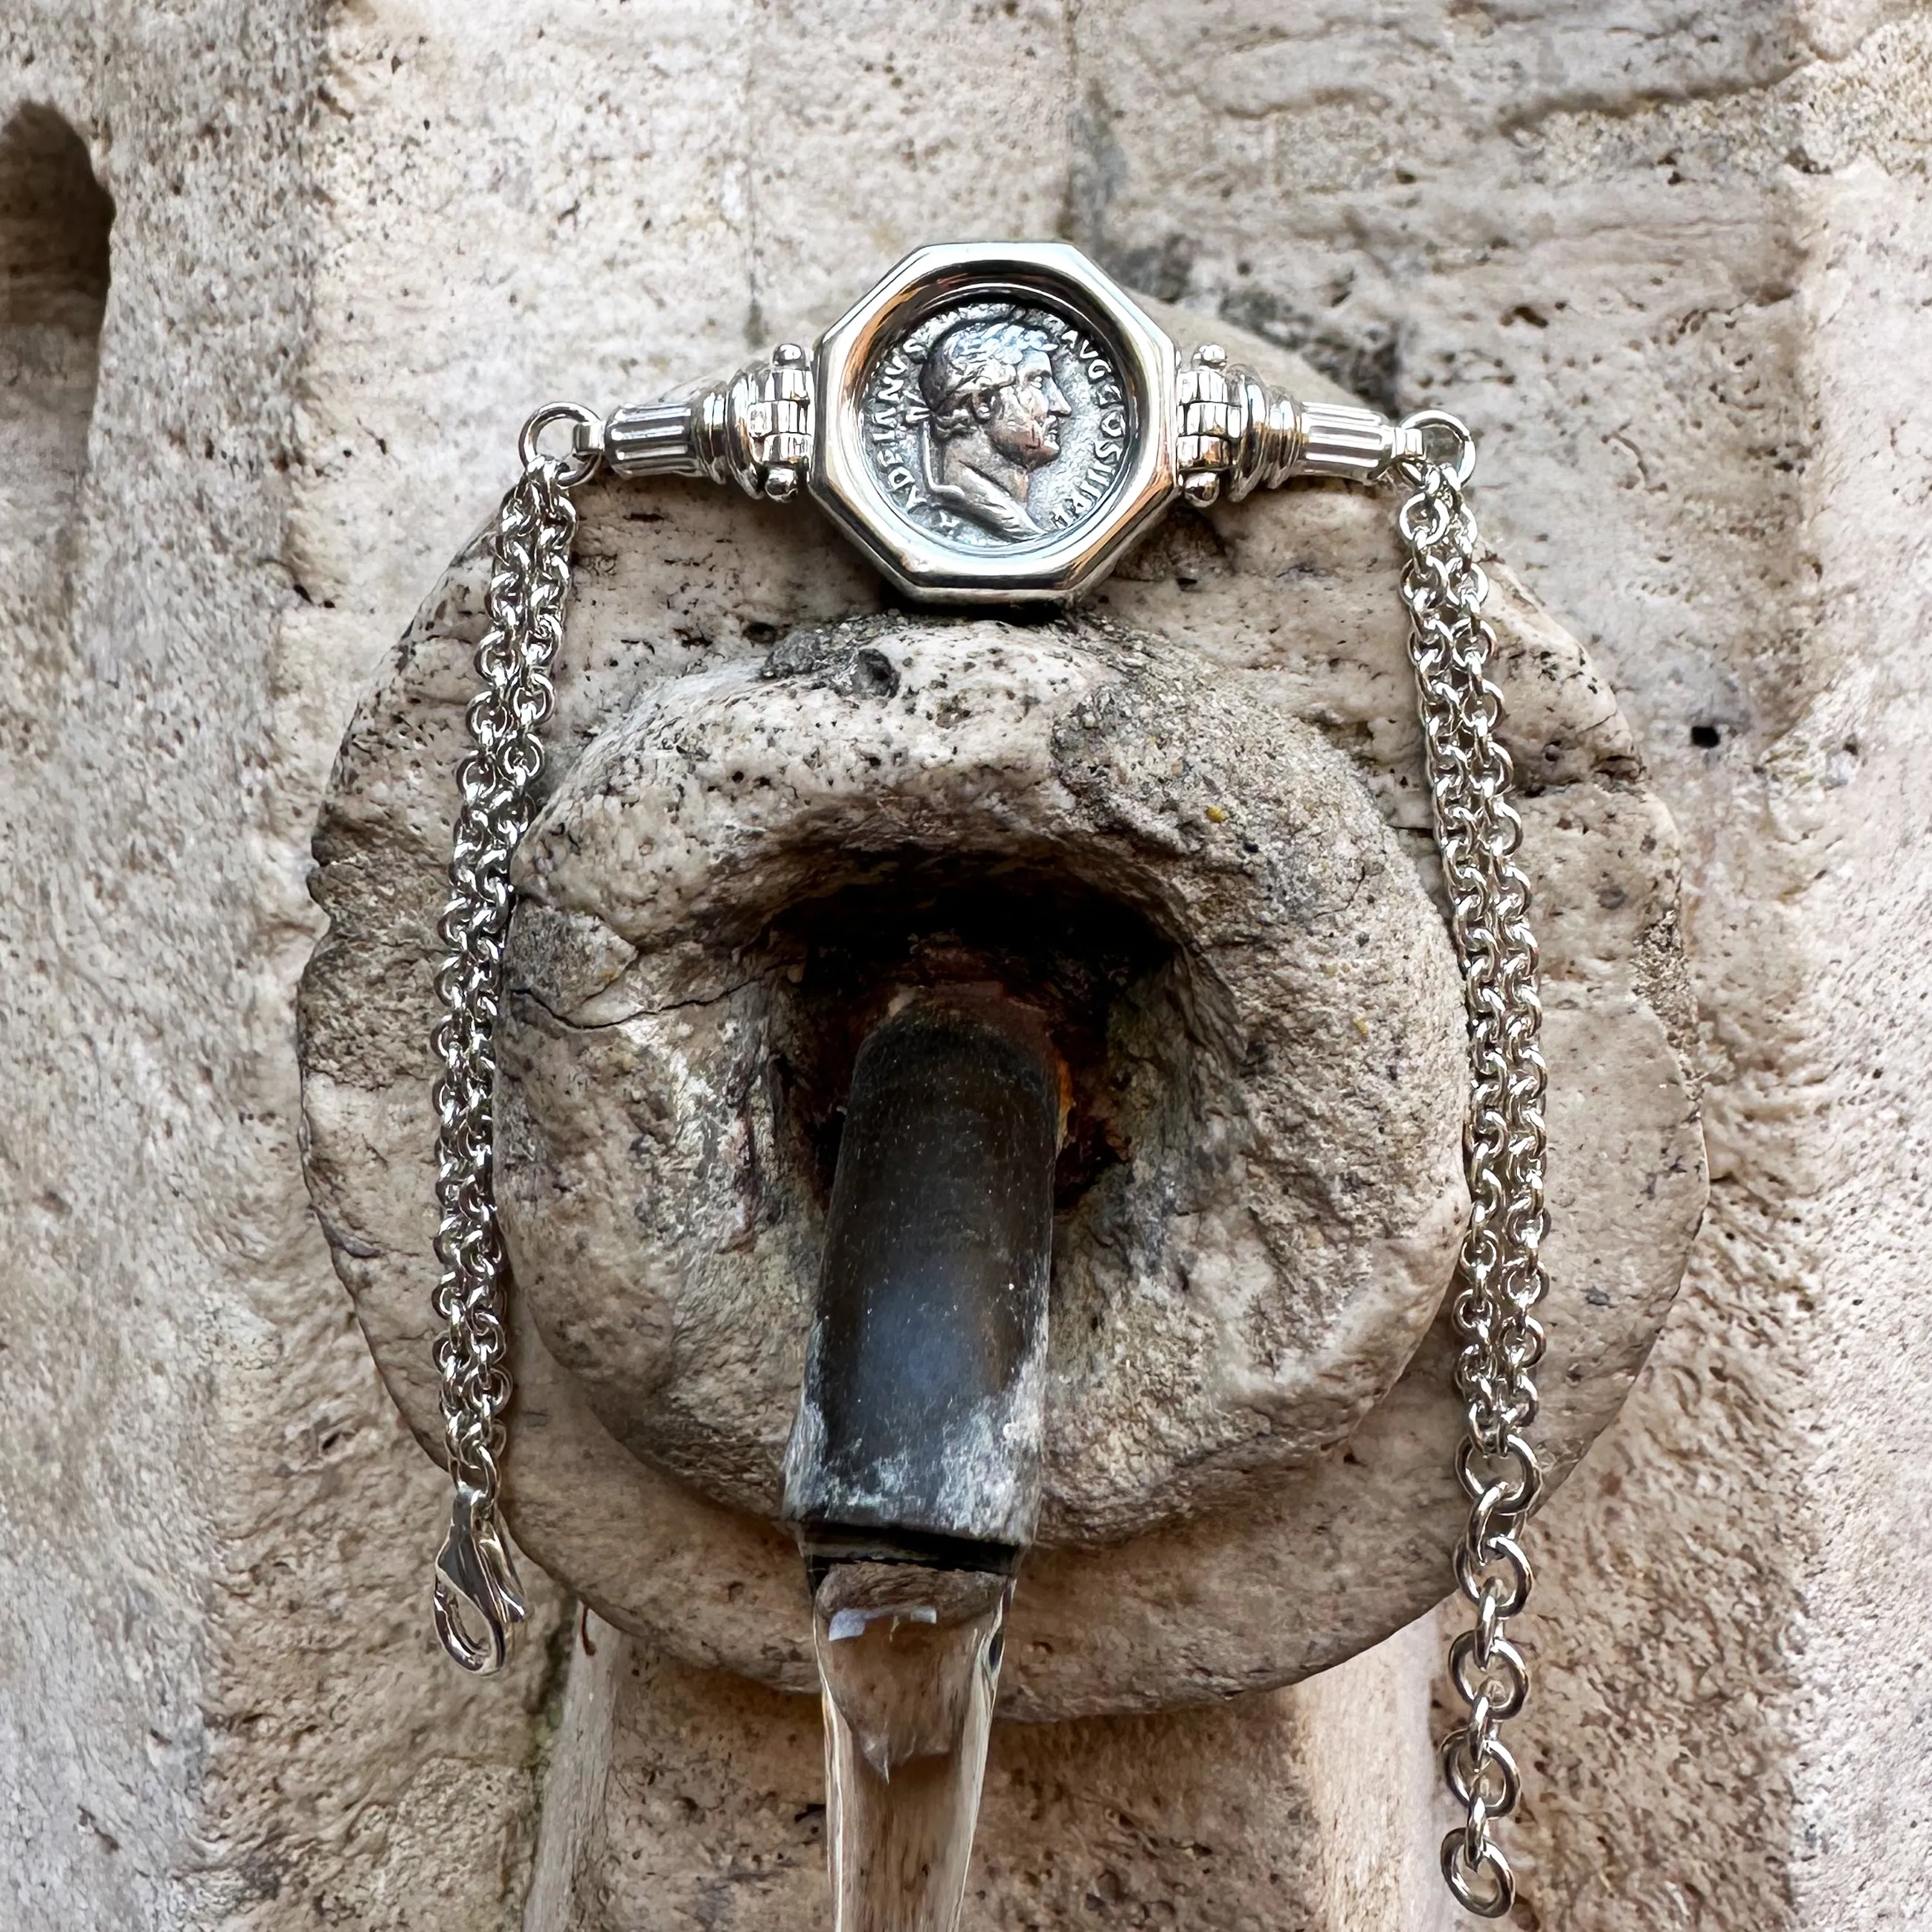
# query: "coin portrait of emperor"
[[989, 413]]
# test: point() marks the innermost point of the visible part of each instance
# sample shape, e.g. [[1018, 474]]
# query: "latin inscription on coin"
[[995, 423]]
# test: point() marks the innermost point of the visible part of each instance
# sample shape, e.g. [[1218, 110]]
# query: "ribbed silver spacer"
[[653, 440], [1338, 439], [754, 430], [1233, 431]]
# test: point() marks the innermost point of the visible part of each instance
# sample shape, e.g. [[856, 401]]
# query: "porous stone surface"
[[744, 872], [1674, 265], [652, 875], [713, 1808]]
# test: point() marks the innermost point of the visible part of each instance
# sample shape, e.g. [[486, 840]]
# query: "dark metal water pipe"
[[919, 1428]]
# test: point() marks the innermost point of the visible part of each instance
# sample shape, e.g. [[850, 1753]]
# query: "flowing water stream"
[[909, 1659]]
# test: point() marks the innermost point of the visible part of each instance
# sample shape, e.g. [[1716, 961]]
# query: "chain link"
[[476, 1580], [1500, 1280]]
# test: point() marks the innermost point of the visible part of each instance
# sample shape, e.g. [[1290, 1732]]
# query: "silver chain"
[[476, 1579], [1500, 1280]]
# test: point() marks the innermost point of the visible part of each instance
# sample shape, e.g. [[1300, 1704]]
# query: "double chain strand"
[[1500, 1277], [530, 584]]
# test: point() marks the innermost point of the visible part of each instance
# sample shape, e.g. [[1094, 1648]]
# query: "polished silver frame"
[[1060, 277]]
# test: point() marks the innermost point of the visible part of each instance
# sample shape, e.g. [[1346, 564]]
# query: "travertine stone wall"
[[217, 1706], [1676, 264]]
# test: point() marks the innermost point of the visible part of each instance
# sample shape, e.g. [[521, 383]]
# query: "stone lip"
[[1290, 598], [1280, 1074]]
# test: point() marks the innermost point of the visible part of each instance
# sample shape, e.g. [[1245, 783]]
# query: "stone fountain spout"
[[928, 842]]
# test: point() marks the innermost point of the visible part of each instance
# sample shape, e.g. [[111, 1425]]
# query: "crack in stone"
[[641, 1012]]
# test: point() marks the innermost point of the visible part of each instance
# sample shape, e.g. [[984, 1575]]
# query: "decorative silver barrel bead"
[[755, 431], [1233, 432], [1213, 417]]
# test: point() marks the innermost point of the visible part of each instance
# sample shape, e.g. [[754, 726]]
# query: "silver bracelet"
[[999, 424]]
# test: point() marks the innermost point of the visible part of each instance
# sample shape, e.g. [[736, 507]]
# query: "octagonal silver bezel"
[[1060, 277]]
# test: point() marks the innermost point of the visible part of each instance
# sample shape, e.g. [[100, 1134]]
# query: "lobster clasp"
[[475, 1579]]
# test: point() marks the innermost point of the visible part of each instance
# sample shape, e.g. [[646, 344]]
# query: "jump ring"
[[581, 464], [1453, 427]]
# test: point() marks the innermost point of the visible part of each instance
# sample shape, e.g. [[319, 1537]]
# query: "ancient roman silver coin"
[[992, 424]]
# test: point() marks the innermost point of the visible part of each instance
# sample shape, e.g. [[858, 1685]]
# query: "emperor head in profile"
[[989, 413]]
